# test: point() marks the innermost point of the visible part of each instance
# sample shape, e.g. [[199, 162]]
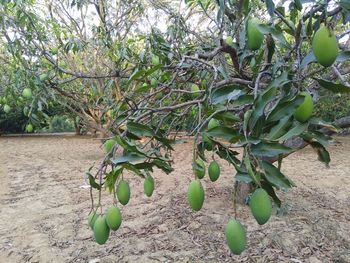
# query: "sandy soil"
[[43, 210]]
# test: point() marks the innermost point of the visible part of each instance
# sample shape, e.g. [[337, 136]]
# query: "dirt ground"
[[44, 207]]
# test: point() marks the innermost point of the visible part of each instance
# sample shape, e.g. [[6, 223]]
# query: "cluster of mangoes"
[[26, 94], [102, 224], [195, 193], [235, 233], [324, 43], [260, 205]]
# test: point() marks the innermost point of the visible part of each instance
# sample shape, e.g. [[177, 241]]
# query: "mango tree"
[[233, 74]]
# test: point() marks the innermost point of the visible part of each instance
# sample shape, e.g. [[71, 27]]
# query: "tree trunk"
[[77, 127]]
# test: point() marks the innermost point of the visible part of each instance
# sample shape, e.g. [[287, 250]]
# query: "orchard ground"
[[44, 208]]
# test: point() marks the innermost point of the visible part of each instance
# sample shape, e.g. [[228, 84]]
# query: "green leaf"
[[243, 177], [166, 142], [112, 177], [136, 74], [244, 99], [319, 122], [128, 158], [315, 137], [279, 129], [343, 56], [275, 177], [323, 154], [276, 34], [281, 80], [132, 168], [227, 93], [143, 88], [269, 189], [269, 149], [225, 133], [92, 182], [164, 166], [310, 57], [259, 105], [258, 128], [227, 117], [298, 4], [285, 108], [246, 120], [129, 146], [227, 154], [270, 7], [250, 170], [335, 87], [139, 130], [221, 10], [298, 129]]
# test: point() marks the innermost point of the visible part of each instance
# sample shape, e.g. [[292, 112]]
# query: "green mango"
[[195, 195], [208, 143], [254, 37], [91, 219], [236, 236], [229, 41], [199, 168], [213, 123], [113, 218], [148, 186], [101, 230], [43, 77], [325, 46], [123, 192], [195, 88], [154, 82], [214, 171], [260, 205], [29, 128], [54, 50], [155, 60], [159, 95], [7, 108], [304, 112], [108, 145], [27, 93], [26, 111]]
